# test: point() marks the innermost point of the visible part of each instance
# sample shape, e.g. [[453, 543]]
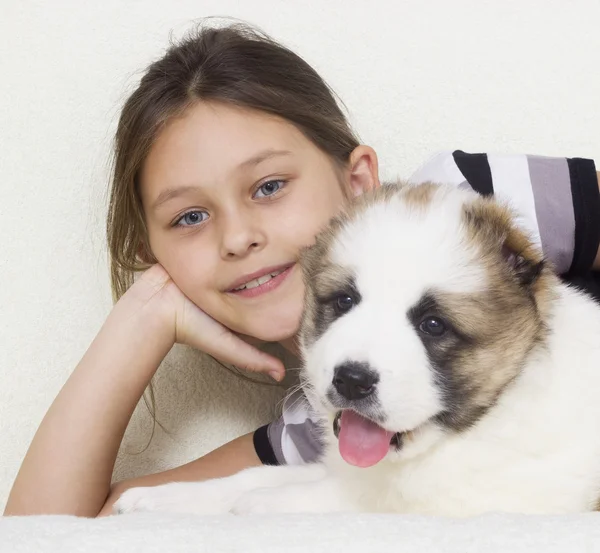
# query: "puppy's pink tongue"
[[362, 442]]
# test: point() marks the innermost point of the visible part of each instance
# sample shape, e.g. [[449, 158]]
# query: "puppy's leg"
[[213, 496], [326, 495]]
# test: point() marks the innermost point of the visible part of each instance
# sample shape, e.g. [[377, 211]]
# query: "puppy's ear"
[[525, 270], [494, 227]]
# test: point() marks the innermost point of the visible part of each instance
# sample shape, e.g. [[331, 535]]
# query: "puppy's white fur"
[[534, 447]]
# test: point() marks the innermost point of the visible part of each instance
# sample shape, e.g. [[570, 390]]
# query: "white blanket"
[[152, 532]]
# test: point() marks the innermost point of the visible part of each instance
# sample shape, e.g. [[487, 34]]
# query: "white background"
[[416, 76]]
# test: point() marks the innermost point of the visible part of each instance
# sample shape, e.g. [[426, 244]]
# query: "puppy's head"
[[422, 305]]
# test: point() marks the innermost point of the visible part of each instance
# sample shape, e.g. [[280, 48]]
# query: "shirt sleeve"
[[557, 198], [295, 438]]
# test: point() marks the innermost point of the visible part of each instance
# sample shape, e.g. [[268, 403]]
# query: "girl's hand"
[[192, 327]]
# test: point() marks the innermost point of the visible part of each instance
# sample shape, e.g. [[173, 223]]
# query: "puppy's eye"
[[342, 304], [433, 326]]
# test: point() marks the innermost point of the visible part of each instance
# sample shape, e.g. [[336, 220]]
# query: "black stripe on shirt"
[[263, 446], [476, 170], [586, 206]]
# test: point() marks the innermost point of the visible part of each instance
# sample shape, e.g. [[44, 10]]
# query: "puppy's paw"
[[139, 499], [203, 498]]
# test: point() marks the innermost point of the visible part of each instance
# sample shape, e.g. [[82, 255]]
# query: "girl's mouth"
[[264, 283]]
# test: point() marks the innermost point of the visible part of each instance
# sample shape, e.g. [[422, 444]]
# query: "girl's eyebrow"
[[175, 192], [262, 156], [172, 193]]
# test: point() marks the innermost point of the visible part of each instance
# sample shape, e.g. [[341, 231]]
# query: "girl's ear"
[[364, 170]]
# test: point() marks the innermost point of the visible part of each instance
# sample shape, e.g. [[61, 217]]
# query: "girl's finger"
[[231, 349]]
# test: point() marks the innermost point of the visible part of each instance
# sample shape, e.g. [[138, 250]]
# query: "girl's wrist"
[[146, 308]]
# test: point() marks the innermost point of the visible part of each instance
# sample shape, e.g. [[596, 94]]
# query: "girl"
[[230, 156]]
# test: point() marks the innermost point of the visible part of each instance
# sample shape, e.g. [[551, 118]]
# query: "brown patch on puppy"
[[419, 196], [490, 334], [382, 195], [313, 261], [491, 331], [509, 255]]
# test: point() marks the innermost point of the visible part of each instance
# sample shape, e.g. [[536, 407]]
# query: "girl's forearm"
[[69, 464]]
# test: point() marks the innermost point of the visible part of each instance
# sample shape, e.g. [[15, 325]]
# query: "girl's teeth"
[[257, 281]]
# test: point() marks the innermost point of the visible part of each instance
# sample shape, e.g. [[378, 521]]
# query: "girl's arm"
[[224, 461], [69, 464], [68, 467]]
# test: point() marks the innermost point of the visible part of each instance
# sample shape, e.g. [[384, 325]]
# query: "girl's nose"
[[239, 236]]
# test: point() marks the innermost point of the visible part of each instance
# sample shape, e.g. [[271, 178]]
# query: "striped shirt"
[[557, 201]]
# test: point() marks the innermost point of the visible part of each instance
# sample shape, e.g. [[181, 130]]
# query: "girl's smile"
[[261, 282]]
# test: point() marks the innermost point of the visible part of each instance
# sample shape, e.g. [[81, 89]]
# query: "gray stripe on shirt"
[[300, 441], [550, 182], [307, 439]]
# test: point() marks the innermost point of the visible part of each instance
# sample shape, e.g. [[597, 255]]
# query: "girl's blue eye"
[[269, 188], [191, 218]]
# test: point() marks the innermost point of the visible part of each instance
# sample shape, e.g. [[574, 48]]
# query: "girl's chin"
[[272, 327], [274, 336], [269, 332]]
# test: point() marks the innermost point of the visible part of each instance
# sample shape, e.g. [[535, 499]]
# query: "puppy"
[[454, 372]]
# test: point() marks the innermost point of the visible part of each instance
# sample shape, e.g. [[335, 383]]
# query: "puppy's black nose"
[[354, 380]]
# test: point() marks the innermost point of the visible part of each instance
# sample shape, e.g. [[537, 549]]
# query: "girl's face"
[[230, 197]]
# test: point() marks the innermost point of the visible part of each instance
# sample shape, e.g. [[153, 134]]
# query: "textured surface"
[[416, 76], [149, 533]]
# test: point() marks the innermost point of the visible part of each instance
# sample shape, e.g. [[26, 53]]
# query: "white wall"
[[416, 76]]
